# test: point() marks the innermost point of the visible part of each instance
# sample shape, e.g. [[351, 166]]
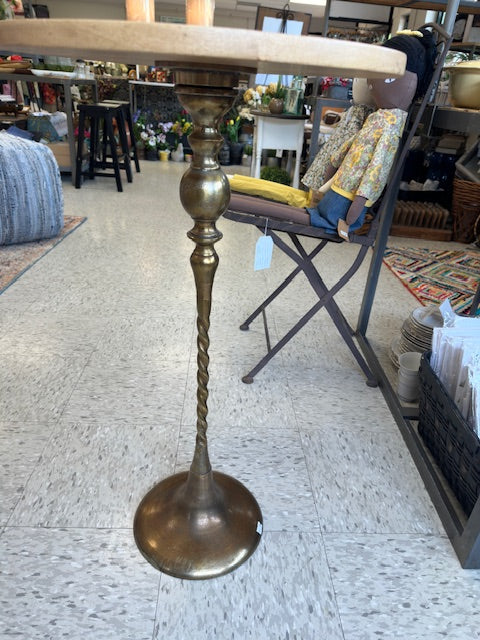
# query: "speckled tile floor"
[[97, 400]]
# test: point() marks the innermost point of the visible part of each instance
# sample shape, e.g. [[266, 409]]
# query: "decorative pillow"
[[269, 190], [41, 124]]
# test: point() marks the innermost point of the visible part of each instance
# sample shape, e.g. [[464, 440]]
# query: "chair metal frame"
[[304, 260], [463, 532], [272, 226]]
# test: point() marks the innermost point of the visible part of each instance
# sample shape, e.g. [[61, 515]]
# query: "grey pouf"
[[31, 196]]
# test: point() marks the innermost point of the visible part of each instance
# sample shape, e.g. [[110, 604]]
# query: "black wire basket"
[[452, 443]]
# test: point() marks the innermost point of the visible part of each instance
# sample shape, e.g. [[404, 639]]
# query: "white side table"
[[278, 132]]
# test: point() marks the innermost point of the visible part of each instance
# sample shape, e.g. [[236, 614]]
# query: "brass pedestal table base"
[[201, 524], [198, 526]]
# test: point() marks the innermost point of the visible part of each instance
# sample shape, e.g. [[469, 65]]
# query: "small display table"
[[199, 523], [278, 131]]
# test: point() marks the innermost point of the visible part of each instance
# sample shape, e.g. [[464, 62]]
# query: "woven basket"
[[453, 444], [465, 209]]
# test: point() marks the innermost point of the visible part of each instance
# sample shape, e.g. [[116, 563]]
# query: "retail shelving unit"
[[136, 85], [464, 533], [66, 82]]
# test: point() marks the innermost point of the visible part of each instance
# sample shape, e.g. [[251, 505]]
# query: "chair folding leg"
[[244, 326], [326, 299]]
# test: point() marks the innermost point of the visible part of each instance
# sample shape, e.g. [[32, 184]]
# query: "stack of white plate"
[[417, 330]]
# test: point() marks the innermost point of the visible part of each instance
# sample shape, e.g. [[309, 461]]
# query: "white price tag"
[[259, 528], [263, 253], [279, 153]]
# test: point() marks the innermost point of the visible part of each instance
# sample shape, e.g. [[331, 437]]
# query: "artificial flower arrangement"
[[245, 115], [7, 9], [181, 127], [334, 82], [253, 97], [232, 127], [262, 95], [153, 136], [49, 94], [275, 90]]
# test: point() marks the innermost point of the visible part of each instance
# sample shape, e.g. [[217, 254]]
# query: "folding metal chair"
[[277, 219]]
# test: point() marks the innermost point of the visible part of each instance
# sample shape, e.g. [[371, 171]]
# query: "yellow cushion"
[[270, 190]]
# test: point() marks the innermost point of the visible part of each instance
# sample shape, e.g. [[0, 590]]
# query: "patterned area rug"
[[434, 276], [15, 259]]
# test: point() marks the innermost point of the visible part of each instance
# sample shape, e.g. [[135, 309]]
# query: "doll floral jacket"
[[350, 124], [364, 161]]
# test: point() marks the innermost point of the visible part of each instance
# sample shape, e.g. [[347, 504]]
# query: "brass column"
[[201, 523]]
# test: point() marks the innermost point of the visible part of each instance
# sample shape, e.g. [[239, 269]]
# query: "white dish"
[[46, 73], [395, 350], [428, 316]]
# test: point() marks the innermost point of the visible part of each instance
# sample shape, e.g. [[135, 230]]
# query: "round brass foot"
[[198, 527]]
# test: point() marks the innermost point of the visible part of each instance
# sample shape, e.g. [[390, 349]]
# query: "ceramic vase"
[[177, 154], [236, 151], [224, 153], [275, 105], [151, 154]]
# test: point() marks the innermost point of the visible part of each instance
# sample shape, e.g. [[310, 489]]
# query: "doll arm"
[[376, 174], [329, 173], [354, 211], [370, 188], [338, 156], [373, 182]]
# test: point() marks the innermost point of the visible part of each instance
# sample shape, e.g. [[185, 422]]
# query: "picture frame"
[[282, 21]]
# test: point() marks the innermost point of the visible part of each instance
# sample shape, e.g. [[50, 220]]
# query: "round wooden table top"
[[190, 46]]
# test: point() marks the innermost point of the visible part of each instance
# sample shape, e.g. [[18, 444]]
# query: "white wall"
[[93, 9], [417, 18], [340, 9], [228, 13], [115, 10]]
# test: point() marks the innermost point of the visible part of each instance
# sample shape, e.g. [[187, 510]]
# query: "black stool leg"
[[103, 154], [93, 146], [113, 150], [129, 120], [122, 134], [79, 158]]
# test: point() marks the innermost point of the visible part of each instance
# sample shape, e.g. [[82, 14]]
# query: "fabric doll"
[[350, 123], [360, 168]]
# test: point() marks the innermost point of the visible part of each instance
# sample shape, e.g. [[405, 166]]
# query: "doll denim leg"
[[331, 208]]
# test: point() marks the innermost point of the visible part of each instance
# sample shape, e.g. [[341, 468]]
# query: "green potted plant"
[[247, 155], [7, 9], [232, 127], [275, 174]]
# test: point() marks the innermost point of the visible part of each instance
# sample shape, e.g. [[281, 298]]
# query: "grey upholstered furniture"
[[31, 197]]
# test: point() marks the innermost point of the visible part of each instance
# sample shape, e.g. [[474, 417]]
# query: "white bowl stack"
[[416, 333]]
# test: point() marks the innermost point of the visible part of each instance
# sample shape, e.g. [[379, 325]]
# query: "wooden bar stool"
[[127, 115], [103, 156]]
